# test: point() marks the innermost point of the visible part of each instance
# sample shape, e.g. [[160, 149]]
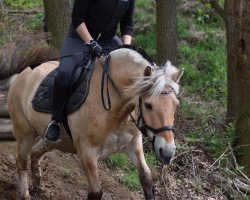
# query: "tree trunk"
[[243, 75], [166, 36], [6, 129], [57, 13], [3, 105], [232, 35]]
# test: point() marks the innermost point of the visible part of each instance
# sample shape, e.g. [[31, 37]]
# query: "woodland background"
[[210, 40]]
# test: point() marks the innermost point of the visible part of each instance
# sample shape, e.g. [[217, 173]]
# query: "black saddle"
[[79, 89]]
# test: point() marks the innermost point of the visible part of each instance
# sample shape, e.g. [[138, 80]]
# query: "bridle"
[[143, 126], [140, 122]]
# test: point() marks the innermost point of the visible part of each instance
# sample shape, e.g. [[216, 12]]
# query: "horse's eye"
[[149, 106]]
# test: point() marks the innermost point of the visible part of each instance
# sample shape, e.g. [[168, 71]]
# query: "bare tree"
[[243, 78], [229, 14], [166, 35], [236, 15], [57, 13]]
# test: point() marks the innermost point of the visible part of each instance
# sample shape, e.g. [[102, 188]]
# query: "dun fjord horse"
[[97, 133]]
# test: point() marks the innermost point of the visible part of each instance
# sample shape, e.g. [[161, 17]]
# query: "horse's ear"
[[148, 71], [177, 76]]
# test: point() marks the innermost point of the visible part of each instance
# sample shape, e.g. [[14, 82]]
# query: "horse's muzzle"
[[165, 158], [164, 151]]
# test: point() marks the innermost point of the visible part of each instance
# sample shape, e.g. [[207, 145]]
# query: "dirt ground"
[[62, 178]]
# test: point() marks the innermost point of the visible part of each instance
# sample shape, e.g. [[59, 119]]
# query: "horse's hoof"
[[37, 189], [26, 197]]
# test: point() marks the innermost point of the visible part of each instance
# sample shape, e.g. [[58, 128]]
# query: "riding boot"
[[52, 132]]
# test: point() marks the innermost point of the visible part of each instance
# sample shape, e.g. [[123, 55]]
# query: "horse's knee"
[[95, 195]]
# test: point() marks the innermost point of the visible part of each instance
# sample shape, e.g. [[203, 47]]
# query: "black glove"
[[95, 48]]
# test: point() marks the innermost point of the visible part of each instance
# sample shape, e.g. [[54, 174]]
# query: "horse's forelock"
[[155, 84]]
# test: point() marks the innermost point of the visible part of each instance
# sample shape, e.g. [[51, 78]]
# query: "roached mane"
[[155, 84], [139, 50]]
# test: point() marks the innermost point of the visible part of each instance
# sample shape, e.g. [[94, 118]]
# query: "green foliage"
[[66, 172], [145, 26], [150, 159], [217, 141], [131, 180], [24, 3], [1, 36], [36, 22], [201, 16], [208, 129], [204, 61], [117, 161], [148, 42], [129, 176]]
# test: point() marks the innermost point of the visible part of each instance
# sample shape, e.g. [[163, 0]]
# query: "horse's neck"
[[125, 73]]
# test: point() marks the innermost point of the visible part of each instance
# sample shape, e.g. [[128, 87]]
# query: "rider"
[[93, 27]]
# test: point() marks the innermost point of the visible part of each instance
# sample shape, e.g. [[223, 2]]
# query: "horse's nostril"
[[166, 158], [161, 153]]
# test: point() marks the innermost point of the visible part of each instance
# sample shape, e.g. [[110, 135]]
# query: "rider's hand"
[[95, 48]]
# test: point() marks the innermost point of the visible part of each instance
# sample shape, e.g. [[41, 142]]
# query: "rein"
[[105, 74], [144, 127]]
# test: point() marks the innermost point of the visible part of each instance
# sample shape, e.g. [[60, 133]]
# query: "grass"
[[129, 177], [66, 172], [207, 128], [145, 26]]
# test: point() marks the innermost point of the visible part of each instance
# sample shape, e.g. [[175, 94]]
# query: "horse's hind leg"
[[25, 140], [135, 152], [36, 152]]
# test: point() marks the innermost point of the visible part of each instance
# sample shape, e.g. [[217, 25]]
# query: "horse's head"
[[156, 108]]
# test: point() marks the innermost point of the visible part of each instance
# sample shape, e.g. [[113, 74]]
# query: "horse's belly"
[[114, 143]]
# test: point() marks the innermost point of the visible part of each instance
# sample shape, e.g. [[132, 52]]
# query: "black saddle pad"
[[42, 100]]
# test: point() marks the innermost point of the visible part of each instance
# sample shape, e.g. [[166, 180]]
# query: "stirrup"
[[46, 130]]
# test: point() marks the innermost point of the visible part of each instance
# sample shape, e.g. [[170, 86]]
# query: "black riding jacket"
[[103, 16]]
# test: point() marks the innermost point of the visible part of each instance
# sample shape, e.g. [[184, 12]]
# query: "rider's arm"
[[126, 24], [84, 33], [126, 39], [78, 19]]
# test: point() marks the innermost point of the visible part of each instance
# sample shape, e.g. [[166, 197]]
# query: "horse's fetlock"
[[22, 165]]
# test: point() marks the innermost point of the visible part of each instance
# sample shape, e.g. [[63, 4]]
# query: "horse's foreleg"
[[89, 164], [36, 152], [135, 152]]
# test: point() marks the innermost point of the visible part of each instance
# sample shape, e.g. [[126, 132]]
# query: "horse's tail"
[[29, 51]]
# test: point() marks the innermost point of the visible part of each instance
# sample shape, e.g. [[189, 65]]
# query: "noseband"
[[144, 126]]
